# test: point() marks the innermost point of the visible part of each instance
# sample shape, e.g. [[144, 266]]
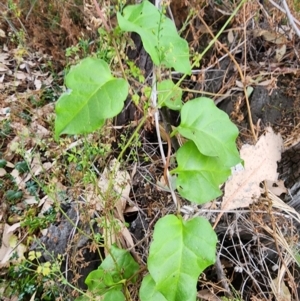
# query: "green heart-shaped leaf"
[[159, 35], [210, 129], [169, 95], [148, 290], [94, 96], [180, 251], [199, 176]]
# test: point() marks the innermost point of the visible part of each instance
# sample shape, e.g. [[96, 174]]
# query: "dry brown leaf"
[[10, 245], [280, 290], [260, 163], [4, 57], [20, 75], [2, 172], [46, 202], [30, 200], [131, 209], [3, 68], [126, 235], [206, 294], [38, 84], [280, 52], [230, 36], [271, 36], [277, 187], [121, 185], [18, 179]]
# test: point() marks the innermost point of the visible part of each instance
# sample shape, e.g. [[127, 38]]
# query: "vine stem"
[[290, 17], [157, 127]]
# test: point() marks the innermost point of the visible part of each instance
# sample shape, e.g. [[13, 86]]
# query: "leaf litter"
[[260, 164]]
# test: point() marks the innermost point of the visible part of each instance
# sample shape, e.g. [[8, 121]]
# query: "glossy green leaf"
[[158, 34], [121, 261], [180, 251], [116, 267], [199, 176], [211, 130], [113, 295], [94, 95], [148, 291], [169, 95]]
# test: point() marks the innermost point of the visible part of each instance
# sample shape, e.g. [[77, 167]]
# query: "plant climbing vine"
[[181, 249]]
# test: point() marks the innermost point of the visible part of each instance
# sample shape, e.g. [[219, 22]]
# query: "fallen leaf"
[[13, 227], [10, 245], [3, 67], [131, 209], [280, 290], [30, 200], [277, 187], [271, 36], [206, 294], [280, 52], [126, 235], [260, 163], [4, 57], [230, 36], [20, 75], [38, 84], [121, 186], [2, 172], [2, 34]]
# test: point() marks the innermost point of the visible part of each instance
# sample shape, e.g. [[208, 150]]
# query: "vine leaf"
[[116, 267], [158, 34], [148, 291], [210, 129], [180, 251], [169, 95], [199, 176], [94, 95], [113, 295]]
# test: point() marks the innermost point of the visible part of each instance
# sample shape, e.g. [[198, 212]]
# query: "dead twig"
[[290, 17]]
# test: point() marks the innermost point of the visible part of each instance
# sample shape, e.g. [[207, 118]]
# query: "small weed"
[[13, 196], [5, 129], [28, 278], [22, 167], [34, 223]]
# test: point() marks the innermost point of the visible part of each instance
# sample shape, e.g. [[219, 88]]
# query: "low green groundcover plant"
[[181, 249]]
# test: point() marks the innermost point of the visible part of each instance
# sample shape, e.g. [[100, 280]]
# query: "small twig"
[[156, 119], [71, 236], [283, 11], [99, 12], [221, 276], [290, 17], [30, 10]]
